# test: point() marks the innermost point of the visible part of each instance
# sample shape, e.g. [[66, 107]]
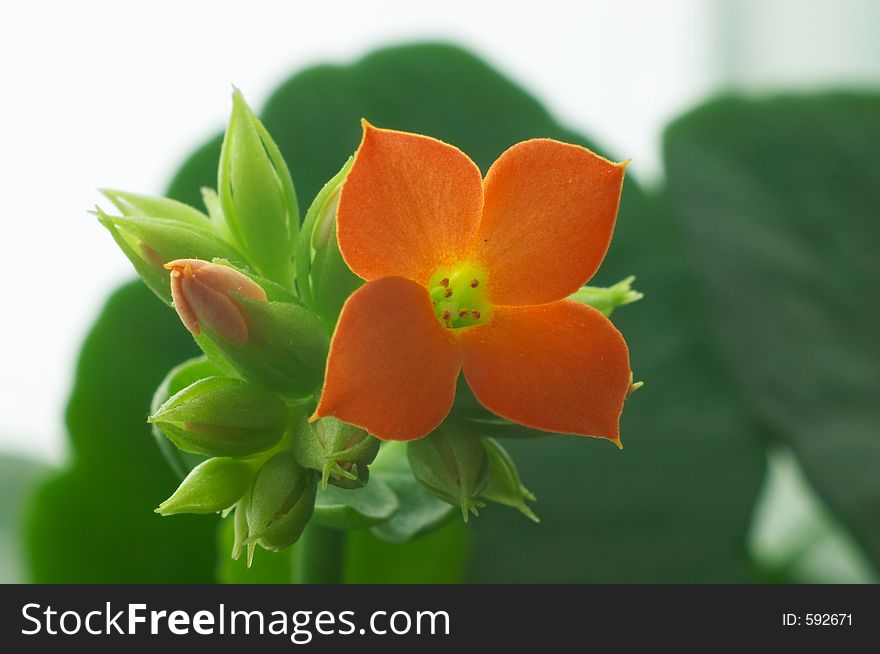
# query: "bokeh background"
[[752, 454]]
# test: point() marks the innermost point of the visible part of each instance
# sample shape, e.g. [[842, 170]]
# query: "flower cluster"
[[417, 301]]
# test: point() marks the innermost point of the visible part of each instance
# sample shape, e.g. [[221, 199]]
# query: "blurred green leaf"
[[676, 504], [93, 521], [357, 508], [18, 477], [419, 511], [440, 557], [780, 201]]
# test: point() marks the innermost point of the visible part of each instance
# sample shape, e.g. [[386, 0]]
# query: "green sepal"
[[339, 451], [146, 266], [452, 463], [357, 508], [331, 280], [286, 349], [214, 208], [608, 299], [324, 201], [240, 525], [147, 206], [281, 502], [217, 416], [214, 485], [257, 194], [150, 243], [504, 485]]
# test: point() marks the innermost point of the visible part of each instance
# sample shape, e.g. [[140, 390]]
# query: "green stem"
[[320, 555]]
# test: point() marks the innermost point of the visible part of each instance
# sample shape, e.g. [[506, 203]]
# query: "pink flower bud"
[[202, 291]]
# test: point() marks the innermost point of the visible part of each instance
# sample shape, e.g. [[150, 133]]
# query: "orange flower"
[[471, 273]]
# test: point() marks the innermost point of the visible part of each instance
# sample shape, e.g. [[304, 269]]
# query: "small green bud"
[[452, 463], [216, 416], [257, 194], [608, 299], [212, 486], [178, 378], [339, 451], [150, 243], [504, 485], [281, 502], [330, 280]]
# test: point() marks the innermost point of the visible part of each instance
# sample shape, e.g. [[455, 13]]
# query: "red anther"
[[447, 315], [463, 313], [475, 283], [448, 292], [475, 315], [444, 282]]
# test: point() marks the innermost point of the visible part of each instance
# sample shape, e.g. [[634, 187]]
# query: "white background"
[[116, 94]]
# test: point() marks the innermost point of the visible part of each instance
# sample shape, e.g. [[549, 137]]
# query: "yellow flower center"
[[460, 296]]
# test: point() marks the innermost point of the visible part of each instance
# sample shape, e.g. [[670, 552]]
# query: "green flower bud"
[[178, 378], [452, 463], [339, 451], [286, 348], [257, 195], [212, 486], [150, 243], [281, 345], [325, 277], [281, 502], [216, 416], [504, 485]]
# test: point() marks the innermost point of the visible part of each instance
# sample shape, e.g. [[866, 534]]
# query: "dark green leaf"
[[780, 199]]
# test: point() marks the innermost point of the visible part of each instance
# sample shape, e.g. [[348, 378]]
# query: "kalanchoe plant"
[[321, 341]]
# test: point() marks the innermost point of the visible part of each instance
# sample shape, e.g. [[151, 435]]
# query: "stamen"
[[475, 315], [463, 313], [444, 282], [448, 292], [475, 283], [447, 315]]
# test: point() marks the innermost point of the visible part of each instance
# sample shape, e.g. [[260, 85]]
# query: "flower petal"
[[410, 205], [392, 367], [560, 367], [547, 221]]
